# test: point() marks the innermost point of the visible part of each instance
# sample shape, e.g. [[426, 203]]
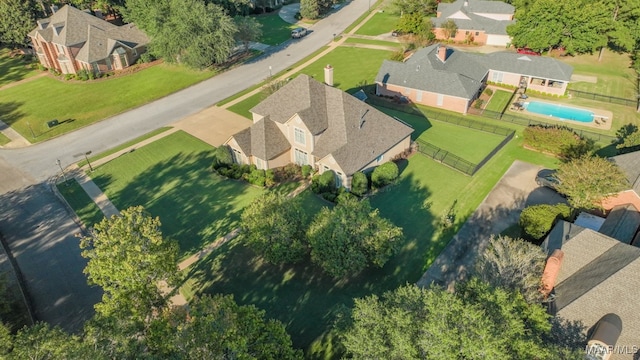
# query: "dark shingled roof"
[[630, 164], [473, 11], [97, 38], [475, 6], [354, 132], [537, 66], [267, 141], [460, 75], [622, 223], [598, 276]]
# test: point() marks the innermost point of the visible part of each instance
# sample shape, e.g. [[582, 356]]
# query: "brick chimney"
[[442, 53], [328, 75]]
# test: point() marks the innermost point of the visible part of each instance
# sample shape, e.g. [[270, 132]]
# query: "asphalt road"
[[39, 231]]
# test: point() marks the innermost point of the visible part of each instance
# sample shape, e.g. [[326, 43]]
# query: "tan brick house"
[[478, 21], [71, 40], [310, 123], [442, 77]]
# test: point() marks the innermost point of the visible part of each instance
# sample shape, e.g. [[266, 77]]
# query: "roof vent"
[[418, 67]]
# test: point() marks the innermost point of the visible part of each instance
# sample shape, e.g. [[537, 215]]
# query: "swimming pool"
[[559, 111]]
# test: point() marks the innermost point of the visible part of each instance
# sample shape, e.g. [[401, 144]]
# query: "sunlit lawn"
[[499, 101], [77, 104], [14, 69], [615, 77], [87, 210], [274, 30], [380, 23], [172, 179], [354, 40], [4, 140]]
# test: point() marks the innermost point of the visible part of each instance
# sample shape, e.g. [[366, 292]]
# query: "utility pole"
[[62, 171], [88, 162]]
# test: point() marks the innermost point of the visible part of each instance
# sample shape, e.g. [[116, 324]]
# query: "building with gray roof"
[[478, 21], [630, 165], [597, 277], [451, 79], [310, 123], [72, 40]]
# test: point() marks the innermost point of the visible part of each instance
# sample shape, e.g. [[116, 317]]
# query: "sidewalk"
[[17, 140]]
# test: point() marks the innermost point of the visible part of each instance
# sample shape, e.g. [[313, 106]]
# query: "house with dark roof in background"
[[630, 165], [443, 77], [310, 123], [478, 21], [72, 40], [598, 276]]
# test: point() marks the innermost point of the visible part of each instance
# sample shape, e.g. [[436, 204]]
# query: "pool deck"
[[603, 118]]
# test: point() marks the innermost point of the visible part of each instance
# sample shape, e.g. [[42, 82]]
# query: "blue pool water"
[[559, 111]]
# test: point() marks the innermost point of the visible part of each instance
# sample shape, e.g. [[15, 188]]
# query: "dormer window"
[[299, 136]]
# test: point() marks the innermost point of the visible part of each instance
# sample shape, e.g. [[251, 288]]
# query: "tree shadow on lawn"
[[195, 205], [9, 113], [301, 296]]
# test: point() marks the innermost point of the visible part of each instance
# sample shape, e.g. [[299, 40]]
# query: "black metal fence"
[[604, 98], [466, 122], [446, 157]]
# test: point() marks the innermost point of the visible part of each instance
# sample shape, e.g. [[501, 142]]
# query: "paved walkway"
[[94, 192], [288, 13], [17, 140]]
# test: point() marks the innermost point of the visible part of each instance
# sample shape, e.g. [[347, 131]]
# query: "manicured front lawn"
[[4, 140], [354, 40], [77, 104], [274, 30], [242, 108], [499, 100], [380, 23], [172, 179], [87, 210], [14, 69]]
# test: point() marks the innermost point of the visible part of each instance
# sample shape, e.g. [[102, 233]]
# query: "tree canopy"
[[184, 31], [127, 257], [249, 29], [274, 227], [352, 236], [588, 180], [477, 322], [18, 19]]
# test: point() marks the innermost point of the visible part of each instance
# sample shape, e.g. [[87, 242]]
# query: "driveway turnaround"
[[42, 237], [516, 190]]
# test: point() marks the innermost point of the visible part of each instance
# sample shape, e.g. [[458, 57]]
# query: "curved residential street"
[[39, 230]]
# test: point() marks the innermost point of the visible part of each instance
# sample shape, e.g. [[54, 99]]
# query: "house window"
[[95, 67], [259, 163], [380, 158], [299, 136], [60, 49], [440, 100], [497, 76], [466, 33], [338, 179], [300, 157], [477, 33], [237, 156]]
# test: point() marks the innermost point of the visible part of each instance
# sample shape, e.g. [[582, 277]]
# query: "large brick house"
[[478, 21], [71, 40], [450, 79], [310, 123]]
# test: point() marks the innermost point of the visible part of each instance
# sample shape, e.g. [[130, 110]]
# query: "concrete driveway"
[[501, 208], [213, 125]]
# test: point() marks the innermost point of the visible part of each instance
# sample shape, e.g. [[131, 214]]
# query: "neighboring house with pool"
[[443, 77]]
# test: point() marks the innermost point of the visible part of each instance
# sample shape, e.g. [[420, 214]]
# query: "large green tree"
[[184, 31], [513, 264], [310, 9], [624, 33], [128, 257], [477, 322], [421, 7], [18, 18], [352, 236], [274, 226], [249, 29], [540, 28], [588, 180]]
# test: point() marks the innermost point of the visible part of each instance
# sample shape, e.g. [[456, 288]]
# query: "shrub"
[[146, 58], [359, 184], [269, 178], [478, 103], [397, 55], [306, 170], [68, 76], [234, 171], [488, 92], [324, 183], [222, 157], [558, 140], [537, 220], [289, 172], [255, 176], [384, 174]]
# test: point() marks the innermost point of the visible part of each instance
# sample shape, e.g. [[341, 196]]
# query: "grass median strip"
[[87, 210], [124, 146]]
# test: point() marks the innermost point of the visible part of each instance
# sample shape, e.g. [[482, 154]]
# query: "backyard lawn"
[[14, 69], [81, 203], [274, 30], [380, 23], [172, 179], [499, 100], [614, 74], [77, 104]]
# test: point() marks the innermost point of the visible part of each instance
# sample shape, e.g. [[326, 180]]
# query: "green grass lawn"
[[354, 40], [615, 77], [380, 23], [307, 301], [242, 108], [499, 100], [469, 144], [125, 145], [4, 140], [14, 69], [77, 104], [87, 210], [172, 179], [352, 66], [274, 30]]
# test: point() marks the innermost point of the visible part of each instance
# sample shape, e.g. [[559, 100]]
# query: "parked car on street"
[[528, 51], [298, 32]]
